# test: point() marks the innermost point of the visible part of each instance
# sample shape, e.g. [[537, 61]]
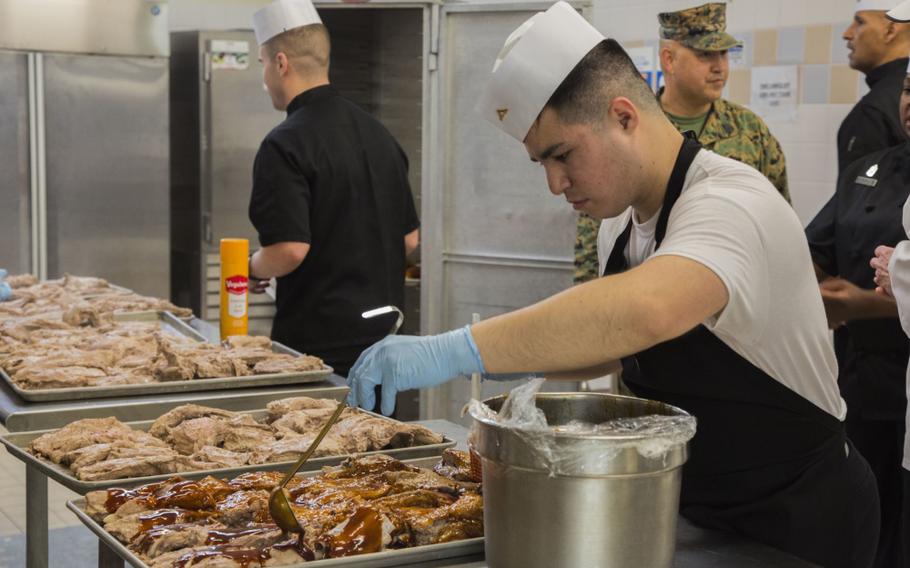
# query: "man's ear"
[[665, 56], [281, 61], [624, 113]]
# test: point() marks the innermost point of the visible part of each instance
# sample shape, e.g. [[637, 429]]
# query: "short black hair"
[[605, 73]]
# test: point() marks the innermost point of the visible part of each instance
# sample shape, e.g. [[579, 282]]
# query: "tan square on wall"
[[818, 45], [633, 43], [844, 85], [764, 47], [740, 84]]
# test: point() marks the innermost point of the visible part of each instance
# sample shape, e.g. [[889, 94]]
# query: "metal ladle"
[[279, 506]]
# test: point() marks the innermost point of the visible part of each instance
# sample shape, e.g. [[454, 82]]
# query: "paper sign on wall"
[[774, 92]]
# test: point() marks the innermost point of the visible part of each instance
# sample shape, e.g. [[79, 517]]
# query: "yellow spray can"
[[235, 283]]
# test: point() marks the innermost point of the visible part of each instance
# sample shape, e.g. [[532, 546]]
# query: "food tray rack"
[[17, 443], [171, 324], [409, 556]]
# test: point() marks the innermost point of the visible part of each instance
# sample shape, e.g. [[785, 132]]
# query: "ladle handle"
[[314, 444]]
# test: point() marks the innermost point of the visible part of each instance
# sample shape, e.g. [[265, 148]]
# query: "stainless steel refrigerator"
[[84, 140]]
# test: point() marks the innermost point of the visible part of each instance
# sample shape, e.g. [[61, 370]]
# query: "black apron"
[[765, 462]]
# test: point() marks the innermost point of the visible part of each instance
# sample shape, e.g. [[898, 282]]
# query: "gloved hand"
[[5, 291], [403, 362]]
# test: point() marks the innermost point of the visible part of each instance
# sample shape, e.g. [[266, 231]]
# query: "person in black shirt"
[[878, 48], [330, 199], [865, 212]]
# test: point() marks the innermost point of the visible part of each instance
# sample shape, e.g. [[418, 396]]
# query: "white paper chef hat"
[[901, 12], [533, 62], [875, 5], [281, 16]]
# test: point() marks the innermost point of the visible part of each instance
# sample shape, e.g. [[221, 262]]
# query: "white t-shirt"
[[899, 269], [730, 219]]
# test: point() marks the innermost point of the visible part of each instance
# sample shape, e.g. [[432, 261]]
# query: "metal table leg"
[[35, 518], [107, 558]]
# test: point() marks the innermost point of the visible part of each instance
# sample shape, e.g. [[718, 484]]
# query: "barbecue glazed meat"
[[345, 510]]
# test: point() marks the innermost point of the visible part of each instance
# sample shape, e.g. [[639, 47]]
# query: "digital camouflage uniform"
[[730, 129]]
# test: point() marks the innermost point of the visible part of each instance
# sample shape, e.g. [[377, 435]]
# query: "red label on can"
[[236, 284]]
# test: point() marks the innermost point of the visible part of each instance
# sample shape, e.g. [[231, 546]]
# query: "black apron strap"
[[616, 262]]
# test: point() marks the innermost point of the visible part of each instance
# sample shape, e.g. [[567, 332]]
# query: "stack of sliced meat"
[[197, 438], [367, 504], [85, 294]]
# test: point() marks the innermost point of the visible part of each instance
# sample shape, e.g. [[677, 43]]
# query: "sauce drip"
[[242, 556], [298, 546], [361, 534]]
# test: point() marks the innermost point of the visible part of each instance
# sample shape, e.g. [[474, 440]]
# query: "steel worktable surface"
[[18, 415]]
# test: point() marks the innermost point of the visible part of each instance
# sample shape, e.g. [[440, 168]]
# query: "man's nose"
[[557, 180]]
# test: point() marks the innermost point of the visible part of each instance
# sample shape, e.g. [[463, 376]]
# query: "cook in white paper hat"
[[281, 16], [698, 251], [873, 38]]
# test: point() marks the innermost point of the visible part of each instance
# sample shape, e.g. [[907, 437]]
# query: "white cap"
[[281, 16], [901, 12], [881, 5], [533, 62]]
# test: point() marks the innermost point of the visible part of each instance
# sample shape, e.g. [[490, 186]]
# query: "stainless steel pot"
[[607, 506]]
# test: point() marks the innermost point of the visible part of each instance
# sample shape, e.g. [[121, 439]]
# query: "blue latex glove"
[[5, 291], [403, 362]]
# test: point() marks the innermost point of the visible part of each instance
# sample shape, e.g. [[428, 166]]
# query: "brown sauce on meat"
[[242, 556], [185, 495], [148, 521], [117, 497], [222, 536], [298, 546], [361, 534]]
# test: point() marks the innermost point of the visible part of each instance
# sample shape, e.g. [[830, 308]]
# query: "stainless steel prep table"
[[18, 415]]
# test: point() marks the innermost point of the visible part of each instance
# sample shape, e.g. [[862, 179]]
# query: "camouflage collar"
[[720, 123]]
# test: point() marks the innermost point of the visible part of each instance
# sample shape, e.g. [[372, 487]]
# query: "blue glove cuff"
[[5, 291], [469, 337]]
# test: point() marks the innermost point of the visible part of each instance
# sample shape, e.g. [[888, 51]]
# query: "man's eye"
[[562, 157]]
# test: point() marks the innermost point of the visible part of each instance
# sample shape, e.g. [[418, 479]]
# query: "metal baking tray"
[[404, 556], [171, 323], [16, 444]]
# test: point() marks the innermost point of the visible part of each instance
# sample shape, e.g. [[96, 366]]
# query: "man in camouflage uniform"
[[693, 57]]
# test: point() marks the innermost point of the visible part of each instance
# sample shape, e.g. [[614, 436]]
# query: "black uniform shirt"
[[332, 176], [874, 122], [864, 212]]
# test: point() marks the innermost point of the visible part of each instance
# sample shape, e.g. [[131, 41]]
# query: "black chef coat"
[[332, 176], [874, 122], [865, 212]]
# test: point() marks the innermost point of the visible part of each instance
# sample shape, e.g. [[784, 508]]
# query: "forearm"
[[586, 374], [869, 305], [602, 320], [277, 260]]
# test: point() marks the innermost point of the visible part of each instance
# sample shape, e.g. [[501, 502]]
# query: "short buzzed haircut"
[[311, 42], [605, 73]]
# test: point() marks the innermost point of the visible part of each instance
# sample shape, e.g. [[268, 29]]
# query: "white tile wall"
[[808, 141]]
